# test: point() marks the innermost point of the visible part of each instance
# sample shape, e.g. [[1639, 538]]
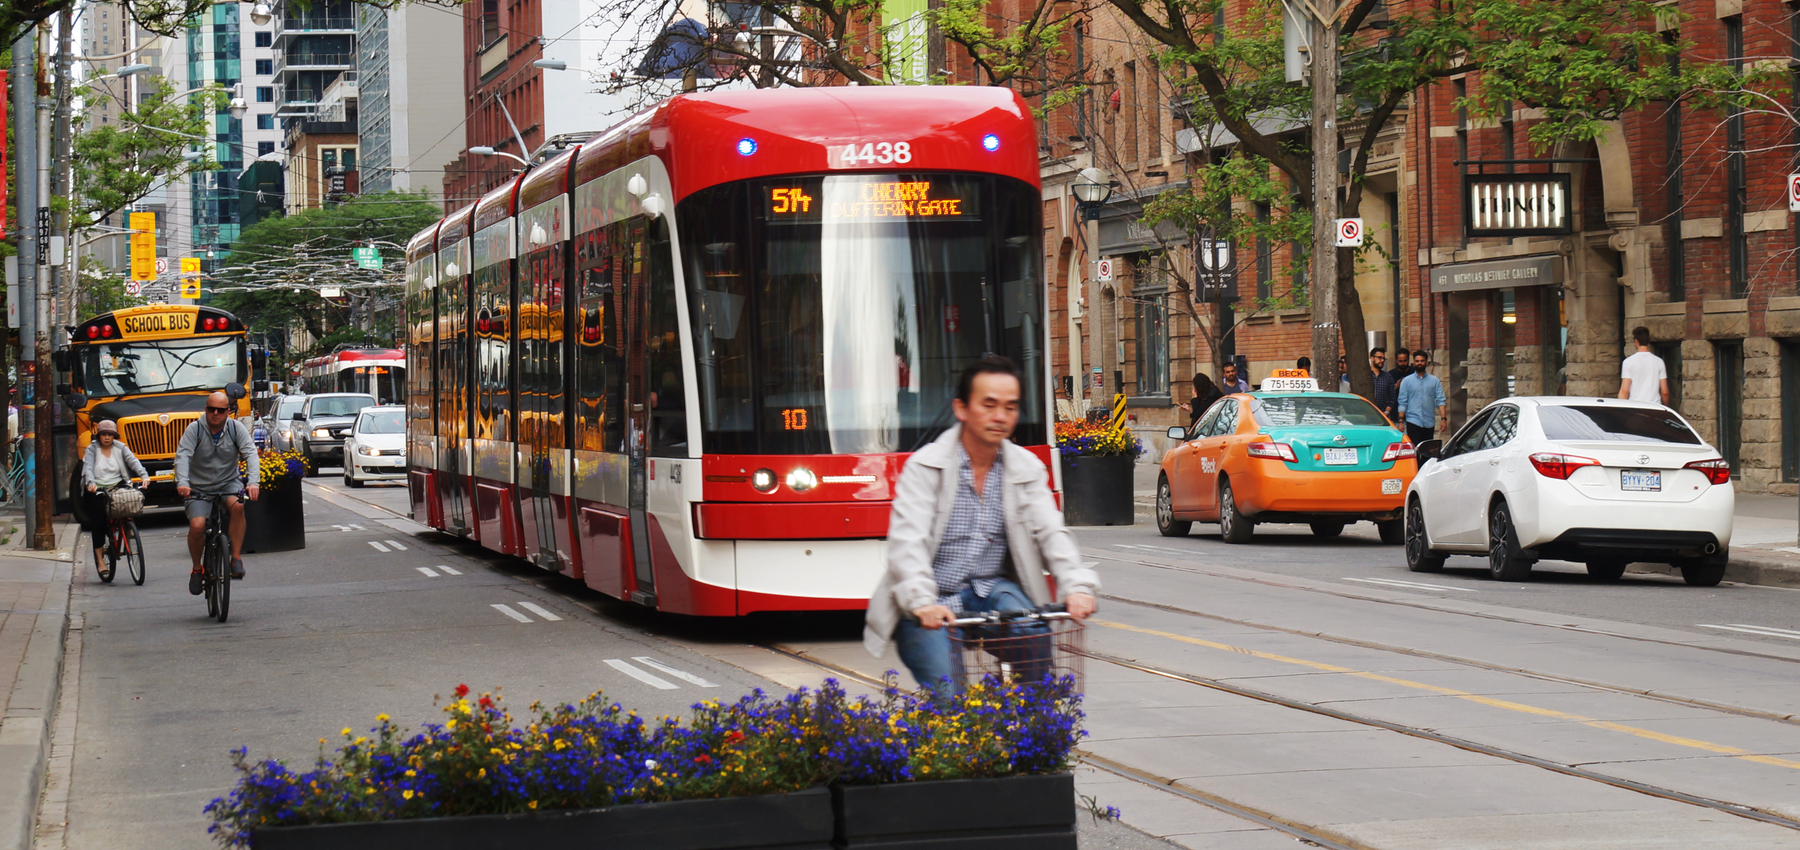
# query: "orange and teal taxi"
[[1287, 454]]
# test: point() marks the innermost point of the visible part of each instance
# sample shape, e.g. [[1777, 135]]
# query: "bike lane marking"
[[1508, 705], [511, 613], [640, 675]]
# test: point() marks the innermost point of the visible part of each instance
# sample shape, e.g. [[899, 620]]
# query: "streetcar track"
[[1455, 659]]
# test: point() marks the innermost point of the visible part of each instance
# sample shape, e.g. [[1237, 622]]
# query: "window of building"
[[490, 22], [265, 67], [265, 122], [1151, 295], [1676, 199], [265, 94], [1736, 183], [265, 39], [1728, 380], [265, 148], [1265, 257]]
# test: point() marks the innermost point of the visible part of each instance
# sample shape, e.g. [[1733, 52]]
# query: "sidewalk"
[[1765, 540], [34, 615]]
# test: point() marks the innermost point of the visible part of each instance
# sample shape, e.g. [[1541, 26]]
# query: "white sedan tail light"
[[1396, 451], [1558, 465], [1716, 470], [1273, 451]]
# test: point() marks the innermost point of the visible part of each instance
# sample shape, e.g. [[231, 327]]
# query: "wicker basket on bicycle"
[[124, 503], [1021, 650]]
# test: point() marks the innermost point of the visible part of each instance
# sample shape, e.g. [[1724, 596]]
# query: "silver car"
[[280, 422]]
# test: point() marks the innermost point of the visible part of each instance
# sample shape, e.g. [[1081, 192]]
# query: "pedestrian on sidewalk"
[[1402, 367], [1230, 381], [1643, 376], [1383, 397], [1421, 399], [1204, 396], [106, 465], [973, 528], [1304, 364], [1344, 374]]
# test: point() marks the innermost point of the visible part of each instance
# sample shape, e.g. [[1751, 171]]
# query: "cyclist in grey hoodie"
[[206, 464]]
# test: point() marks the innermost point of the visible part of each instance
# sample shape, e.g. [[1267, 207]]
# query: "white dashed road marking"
[[1159, 549], [396, 545], [660, 667], [1411, 585], [450, 570], [429, 573], [378, 546], [1765, 631], [640, 675], [511, 613], [540, 611]]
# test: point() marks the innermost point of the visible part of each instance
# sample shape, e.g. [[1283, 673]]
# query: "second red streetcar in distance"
[[686, 360]]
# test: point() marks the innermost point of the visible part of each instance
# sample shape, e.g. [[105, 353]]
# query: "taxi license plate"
[[1643, 480], [1339, 457], [1390, 486]]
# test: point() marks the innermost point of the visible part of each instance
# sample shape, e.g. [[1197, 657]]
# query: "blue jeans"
[[928, 653]]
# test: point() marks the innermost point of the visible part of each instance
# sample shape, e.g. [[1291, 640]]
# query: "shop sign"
[[1509, 205], [1498, 274]]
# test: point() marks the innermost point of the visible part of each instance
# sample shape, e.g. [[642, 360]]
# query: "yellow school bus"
[[150, 369]]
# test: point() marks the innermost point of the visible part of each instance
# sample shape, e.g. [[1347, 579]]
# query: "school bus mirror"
[[75, 401], [259, 386], [60, 359], [235, 391]]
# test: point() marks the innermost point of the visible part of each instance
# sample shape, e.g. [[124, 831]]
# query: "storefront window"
[[1505, 340]]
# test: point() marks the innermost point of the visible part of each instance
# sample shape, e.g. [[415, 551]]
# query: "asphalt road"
[[1313, 684]]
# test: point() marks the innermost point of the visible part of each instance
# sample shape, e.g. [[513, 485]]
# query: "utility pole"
[[1325, 329], [42, 537], [62, 275], [25, 170]]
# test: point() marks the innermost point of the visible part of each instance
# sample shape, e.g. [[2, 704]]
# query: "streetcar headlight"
[[802, 480], [763, 480], [322, 433]]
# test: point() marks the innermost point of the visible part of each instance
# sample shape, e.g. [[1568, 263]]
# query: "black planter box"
[[1097, 490], [1011, 813], [798, 821], [276, 521]]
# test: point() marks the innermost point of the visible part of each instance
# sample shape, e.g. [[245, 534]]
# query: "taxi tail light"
[[1558, 465], [1396, 451], [1716, 470], [1274, 451]]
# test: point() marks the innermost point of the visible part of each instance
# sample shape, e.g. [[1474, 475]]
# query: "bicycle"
[[15, 475], [215, 557], [1020, 645], [123, 543]]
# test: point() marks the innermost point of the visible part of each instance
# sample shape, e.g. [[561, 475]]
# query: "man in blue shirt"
[[1421, 399]]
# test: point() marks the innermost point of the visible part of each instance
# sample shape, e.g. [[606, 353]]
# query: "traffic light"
[[190, 288]]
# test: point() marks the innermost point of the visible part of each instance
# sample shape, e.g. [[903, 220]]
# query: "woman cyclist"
[[103, 469]]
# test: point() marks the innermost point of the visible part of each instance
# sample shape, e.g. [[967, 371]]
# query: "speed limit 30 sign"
[[1349, 232]]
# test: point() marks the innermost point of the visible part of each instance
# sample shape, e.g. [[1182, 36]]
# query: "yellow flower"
[[532, 804], [482, 774], [381, 718], [412, 773], [346, 732], [407, 794]]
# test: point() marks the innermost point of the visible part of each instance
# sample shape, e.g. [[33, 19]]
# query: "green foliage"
[[116, 164], [101, 291]]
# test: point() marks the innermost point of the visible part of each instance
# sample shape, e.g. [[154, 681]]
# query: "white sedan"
[[1600, 481], [375, 449]]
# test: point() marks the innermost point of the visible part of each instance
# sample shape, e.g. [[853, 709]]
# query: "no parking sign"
[[1349, 232], [1793, 193]]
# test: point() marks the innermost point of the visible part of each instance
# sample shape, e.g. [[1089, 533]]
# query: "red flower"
[[733, 736], [484, 702], [462, 691], [703, 759]]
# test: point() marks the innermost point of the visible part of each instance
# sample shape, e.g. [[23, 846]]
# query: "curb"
[[25, 729], [1742, 569]]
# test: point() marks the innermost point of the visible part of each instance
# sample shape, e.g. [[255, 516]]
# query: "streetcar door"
[[637, 408]]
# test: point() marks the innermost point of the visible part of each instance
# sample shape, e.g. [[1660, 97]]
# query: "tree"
[[100, 291], [1581, 63], [117, 164], [277, 267]]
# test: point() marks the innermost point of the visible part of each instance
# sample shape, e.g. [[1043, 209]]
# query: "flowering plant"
[[278, 468], [1091, 439], [595, 753]]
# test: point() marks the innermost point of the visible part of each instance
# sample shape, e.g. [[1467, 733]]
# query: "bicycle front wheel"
[[209, 577], [134, 552], [222, 573]]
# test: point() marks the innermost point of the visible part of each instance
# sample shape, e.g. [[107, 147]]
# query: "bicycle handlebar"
[[1057, 611]]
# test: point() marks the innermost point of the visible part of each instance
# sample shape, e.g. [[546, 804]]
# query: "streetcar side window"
[[599, 360], [668, 390]]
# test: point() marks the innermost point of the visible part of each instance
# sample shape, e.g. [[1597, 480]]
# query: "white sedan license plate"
[[1390, 486], [1642, 480], [1339, 457]]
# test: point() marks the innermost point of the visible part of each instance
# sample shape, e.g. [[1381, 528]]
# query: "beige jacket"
[[1036, 538]]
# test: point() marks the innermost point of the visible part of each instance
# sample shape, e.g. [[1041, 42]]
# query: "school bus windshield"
[[171, 365]]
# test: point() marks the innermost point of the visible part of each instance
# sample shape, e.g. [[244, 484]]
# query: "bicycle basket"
[[125, 503], [1021, 651]]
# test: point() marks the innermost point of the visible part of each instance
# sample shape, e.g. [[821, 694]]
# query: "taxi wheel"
[[1166, 523], [1393, 531], [1419, 557], [1327, 529], [1232, 525]]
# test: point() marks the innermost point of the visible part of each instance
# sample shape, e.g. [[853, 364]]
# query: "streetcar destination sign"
[[874, 200]]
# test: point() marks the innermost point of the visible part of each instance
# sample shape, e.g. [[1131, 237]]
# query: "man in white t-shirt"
[[1645, 378]]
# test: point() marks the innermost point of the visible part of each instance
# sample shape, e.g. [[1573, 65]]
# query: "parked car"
[[280, 421], [323, 423], [1319, 458], [376, 447], [1600, 481]]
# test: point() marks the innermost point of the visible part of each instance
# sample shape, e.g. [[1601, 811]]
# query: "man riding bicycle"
[[206, 464]]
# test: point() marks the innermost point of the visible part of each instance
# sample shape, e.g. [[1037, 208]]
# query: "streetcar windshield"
[[172, 365], [833, 314]]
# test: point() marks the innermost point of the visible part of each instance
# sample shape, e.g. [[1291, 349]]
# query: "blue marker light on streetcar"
[[991, 142], [746, 147]]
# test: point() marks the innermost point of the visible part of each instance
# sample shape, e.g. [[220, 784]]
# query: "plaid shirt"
[[973, 551]]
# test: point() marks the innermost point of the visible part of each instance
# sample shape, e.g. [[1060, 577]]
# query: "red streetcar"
[[378, 372], [685, 361]]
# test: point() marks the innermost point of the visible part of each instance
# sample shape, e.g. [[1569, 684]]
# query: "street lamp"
[[237, 107], [261, 14], [550, 64], [484, 150], [1092, 188], [128, 70]]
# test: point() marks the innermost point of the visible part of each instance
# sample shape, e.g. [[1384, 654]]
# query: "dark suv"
[[323, 422]]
